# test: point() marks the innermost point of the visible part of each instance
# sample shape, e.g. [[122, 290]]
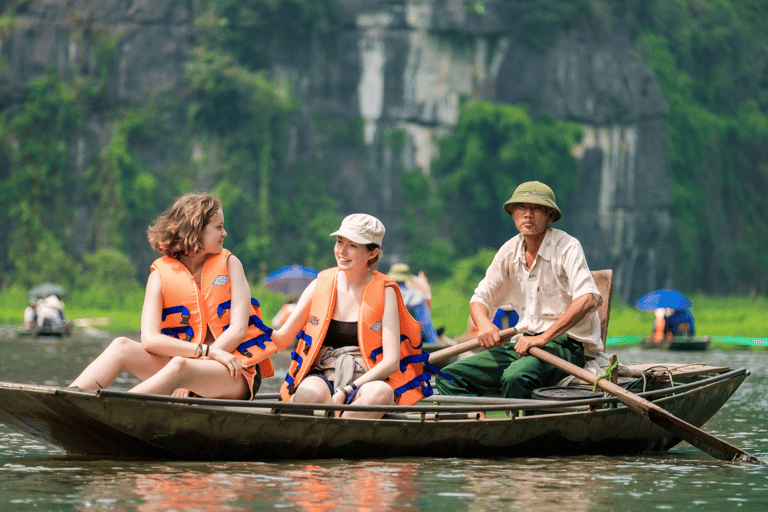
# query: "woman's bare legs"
[[376, 392], [122, 354], [204, 377], [312, 390]]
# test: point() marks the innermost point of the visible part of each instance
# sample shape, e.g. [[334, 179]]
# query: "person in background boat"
[[421, 283], [285, 311], [670, 323], [50, 312], [201, 331], [352, 319], [541, 273], [415, 301], [30, 314]]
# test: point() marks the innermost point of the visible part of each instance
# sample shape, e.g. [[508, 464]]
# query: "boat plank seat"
[[604, 281]]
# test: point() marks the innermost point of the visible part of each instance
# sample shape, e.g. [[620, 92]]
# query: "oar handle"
[[465, 346]]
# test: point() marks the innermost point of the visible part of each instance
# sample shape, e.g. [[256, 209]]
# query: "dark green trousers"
[[501, 370]]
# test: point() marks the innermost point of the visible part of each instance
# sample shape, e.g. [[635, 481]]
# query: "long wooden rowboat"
[[679, 343], [118, 424]]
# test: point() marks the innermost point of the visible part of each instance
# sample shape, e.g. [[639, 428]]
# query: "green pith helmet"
[[533, 192], [400, 272]]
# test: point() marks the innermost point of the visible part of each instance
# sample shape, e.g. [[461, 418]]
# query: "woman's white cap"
[[361, 228]]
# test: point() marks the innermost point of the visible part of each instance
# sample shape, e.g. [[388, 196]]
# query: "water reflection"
[[310, 487], [359, 486], [536, 485], [33, 477]]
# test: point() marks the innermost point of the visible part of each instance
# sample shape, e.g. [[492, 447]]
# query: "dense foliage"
[[710, 58], [83, 222], [493, 149]]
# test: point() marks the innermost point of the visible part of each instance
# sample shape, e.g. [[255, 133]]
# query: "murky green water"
[[33, 477]]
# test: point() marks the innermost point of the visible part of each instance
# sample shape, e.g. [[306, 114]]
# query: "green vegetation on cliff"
[[229, 131]]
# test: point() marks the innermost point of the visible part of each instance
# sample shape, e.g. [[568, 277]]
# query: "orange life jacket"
[[410, 383], [188, 311]]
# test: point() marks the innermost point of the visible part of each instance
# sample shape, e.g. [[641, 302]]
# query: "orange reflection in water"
[[184, 491], [364, 486], [230, 487]]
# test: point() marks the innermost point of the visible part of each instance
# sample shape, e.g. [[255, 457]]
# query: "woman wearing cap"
[[352, 319], [542, 274]]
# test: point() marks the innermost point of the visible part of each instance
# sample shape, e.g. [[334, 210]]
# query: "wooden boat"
[[680, 343], [119, 424], [46, 330]]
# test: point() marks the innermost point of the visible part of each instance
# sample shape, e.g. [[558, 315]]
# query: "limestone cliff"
[[403, 65]]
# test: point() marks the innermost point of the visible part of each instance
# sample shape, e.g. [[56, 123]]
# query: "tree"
[[493, 149]]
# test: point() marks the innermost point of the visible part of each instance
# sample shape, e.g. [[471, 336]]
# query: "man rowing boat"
[[543, 274]]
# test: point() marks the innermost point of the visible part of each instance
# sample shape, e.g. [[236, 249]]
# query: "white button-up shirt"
[[542, 293]]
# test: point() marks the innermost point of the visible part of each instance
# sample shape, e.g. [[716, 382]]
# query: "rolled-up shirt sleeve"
[[579, 276], [495, 289]]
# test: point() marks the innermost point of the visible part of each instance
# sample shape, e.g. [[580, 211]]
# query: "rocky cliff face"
[[403, 65]]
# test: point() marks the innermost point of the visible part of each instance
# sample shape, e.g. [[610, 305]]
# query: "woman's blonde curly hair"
[[177, 231]]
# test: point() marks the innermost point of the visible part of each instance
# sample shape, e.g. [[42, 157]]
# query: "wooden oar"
[[465, 346], [682, 429]]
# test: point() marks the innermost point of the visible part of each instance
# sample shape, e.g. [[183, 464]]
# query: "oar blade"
[[702, 440], [685, 431]]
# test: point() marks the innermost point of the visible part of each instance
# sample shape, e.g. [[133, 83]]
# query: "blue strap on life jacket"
[[226, 305], [259, 323], [403, 338], [259, 341], [376, 353], [177, 309], [413, 358], [380, 350], [289, 379], [421, 382], [422, 358], [176, 331], [223, 307], [306, 338], [434, 369]]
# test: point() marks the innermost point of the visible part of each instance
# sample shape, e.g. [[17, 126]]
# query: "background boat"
[[678, 343]]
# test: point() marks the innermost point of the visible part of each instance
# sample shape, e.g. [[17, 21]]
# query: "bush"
[[109, 277]]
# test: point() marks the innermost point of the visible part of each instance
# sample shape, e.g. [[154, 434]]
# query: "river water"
[[34, 477]]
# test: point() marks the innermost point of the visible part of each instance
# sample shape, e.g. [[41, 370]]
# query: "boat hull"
[[118, 425], [679, 343]]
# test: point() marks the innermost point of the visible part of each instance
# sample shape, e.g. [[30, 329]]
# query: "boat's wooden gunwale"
[[473, 404], [119, 426]]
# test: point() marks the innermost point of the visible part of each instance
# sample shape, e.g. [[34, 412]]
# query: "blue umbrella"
[[663, 299], [290, 280]]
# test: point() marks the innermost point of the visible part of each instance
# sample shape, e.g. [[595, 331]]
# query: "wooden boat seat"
[[604, 281]]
